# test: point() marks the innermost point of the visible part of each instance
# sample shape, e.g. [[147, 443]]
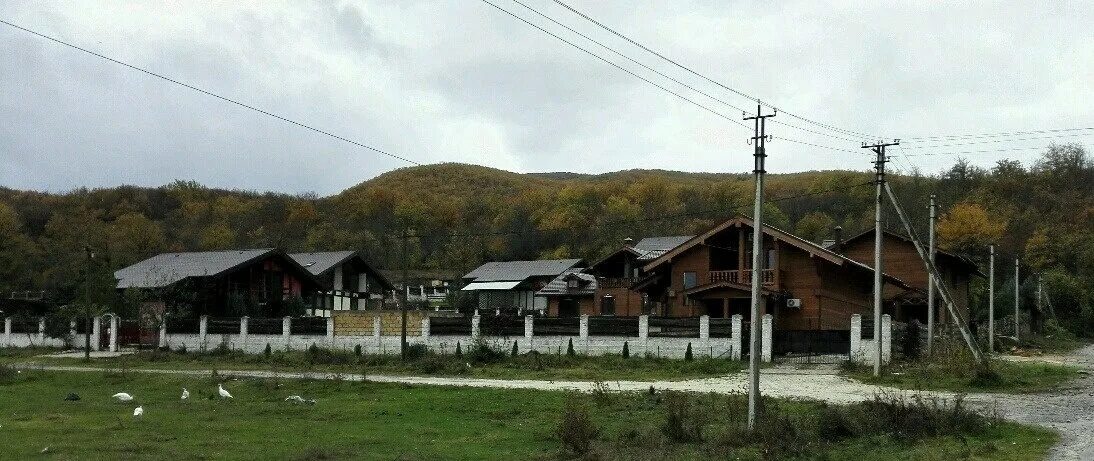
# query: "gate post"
[[96, 332], [735, 340], [886, 338], [114, 324], [765, 353], [856, 338]]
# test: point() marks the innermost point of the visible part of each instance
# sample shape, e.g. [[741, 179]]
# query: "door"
[[568, 307]]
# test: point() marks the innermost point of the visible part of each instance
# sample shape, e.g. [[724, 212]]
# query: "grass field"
[[382, 421], [474, 363], [1011, 377]]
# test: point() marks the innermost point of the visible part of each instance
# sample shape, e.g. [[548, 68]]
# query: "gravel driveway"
[[1069, 411]]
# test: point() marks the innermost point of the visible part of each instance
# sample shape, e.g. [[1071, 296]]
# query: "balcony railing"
[[613, 282], [769, 277]]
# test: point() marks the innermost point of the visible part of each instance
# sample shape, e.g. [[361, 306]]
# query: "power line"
[[209, 93], [993, 140], [704, 77], [991, 135], [974, 151]]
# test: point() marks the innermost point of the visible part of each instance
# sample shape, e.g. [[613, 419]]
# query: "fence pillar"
[[72, 330], [244, 331], [96, 332], [856, 338], [425, 327], [114, 324], [7, 331], [704, 336], [529, 331], [736, 341], [203, 331], [41, 331], [886, 338], [644, 332], [376, 329], [163, 332], [765, 352], [583, 327], [286, 330], [475, 326], [330, 330]]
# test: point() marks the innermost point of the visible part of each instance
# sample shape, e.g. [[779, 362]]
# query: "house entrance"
[[568, 307]]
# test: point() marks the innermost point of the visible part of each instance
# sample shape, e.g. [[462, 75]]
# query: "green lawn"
[[477, 364], [355, 420], [1011, 377]]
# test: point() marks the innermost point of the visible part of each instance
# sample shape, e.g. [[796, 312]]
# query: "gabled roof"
[[661, 243], [168, 268], [722, 284], [809, 247], [559, 285], [319, 263], [958, 259], [498, 271]]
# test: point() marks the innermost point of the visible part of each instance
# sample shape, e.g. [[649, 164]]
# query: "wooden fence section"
[[262, 326], [674, 327], [223, 325], [612, 326], [556, 326], [501, 325], [721, 328], [452, 326], [184, 326], [316, 326]]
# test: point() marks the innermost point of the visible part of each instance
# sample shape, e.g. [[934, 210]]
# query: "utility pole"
[[758, 307], [991, 299], [1017, 293], [930, 278], [402, 305], [1038, 297], [879, 169]]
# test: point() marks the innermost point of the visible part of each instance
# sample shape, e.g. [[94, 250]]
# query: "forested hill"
[[462, 215]]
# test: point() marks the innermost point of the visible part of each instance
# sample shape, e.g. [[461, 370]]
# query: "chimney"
[[628, 242], [837, 235]]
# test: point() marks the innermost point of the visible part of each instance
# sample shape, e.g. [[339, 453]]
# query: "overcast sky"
[[460, 81]]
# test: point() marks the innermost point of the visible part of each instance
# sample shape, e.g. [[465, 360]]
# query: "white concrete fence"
[[861, 350]]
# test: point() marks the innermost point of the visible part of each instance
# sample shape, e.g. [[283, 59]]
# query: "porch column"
[[7, 331], [286, 330], [735, 340], [96, 332], [244, 331], [203, 331], [163, 332], [765, 352], [886, 338], [41, 331], [114, 324], [856, 338]]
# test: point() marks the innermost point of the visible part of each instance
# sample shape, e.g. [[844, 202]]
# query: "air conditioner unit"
[[794, 303]]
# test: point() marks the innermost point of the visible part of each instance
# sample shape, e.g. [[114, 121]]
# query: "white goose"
[[138, 411], [223, 392], [185, 394], [123, 397]]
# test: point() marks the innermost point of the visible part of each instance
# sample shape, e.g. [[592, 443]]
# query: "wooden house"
[[806, 287], [900, 259], [348, 281], [511, 286]]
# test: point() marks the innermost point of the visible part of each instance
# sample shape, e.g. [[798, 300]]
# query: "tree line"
[[459, 216]]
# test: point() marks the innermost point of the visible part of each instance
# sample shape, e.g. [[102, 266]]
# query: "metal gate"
[[812, 346]]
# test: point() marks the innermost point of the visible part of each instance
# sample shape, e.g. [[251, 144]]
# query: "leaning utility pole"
[[402, 305], [1017, 292], [879, 168], [991, 299], [943, 291], [759, 155], [930, 279]]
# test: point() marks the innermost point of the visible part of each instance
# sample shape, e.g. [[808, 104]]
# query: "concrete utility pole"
[[930, 278], [1038, 297], [1017, 293], [87, 304], [759, 155], [879, 168], [991, 299], [402, 306]]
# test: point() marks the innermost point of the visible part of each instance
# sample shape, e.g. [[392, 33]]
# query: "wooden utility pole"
[[991, 299], [879, 175], [1017, 293], [402, 305], [930, 278], [758, 155]]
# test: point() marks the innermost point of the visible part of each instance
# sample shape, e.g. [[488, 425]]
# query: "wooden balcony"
[[613, 282], [769, 277]]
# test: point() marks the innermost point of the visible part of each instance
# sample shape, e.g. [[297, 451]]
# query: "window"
[[571, 283], [690, 280], [607, 305], [770, 263]]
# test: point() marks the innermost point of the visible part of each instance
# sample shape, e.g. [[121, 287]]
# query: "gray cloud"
[[461, 81]]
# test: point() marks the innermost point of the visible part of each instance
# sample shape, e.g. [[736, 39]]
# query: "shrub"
[[687, 354], [356, 350], [683, 420], [182, 349], [481, 353], [514, 354], [7, 374], [416, 351], [570, 348], [267, 351], [459, 351], [626, 350], [576, 429]]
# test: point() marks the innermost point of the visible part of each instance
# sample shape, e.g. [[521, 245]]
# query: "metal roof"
[[499, 271], [661, 243], [320, 262], [559, 287], [490, 286], [167, 268]]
